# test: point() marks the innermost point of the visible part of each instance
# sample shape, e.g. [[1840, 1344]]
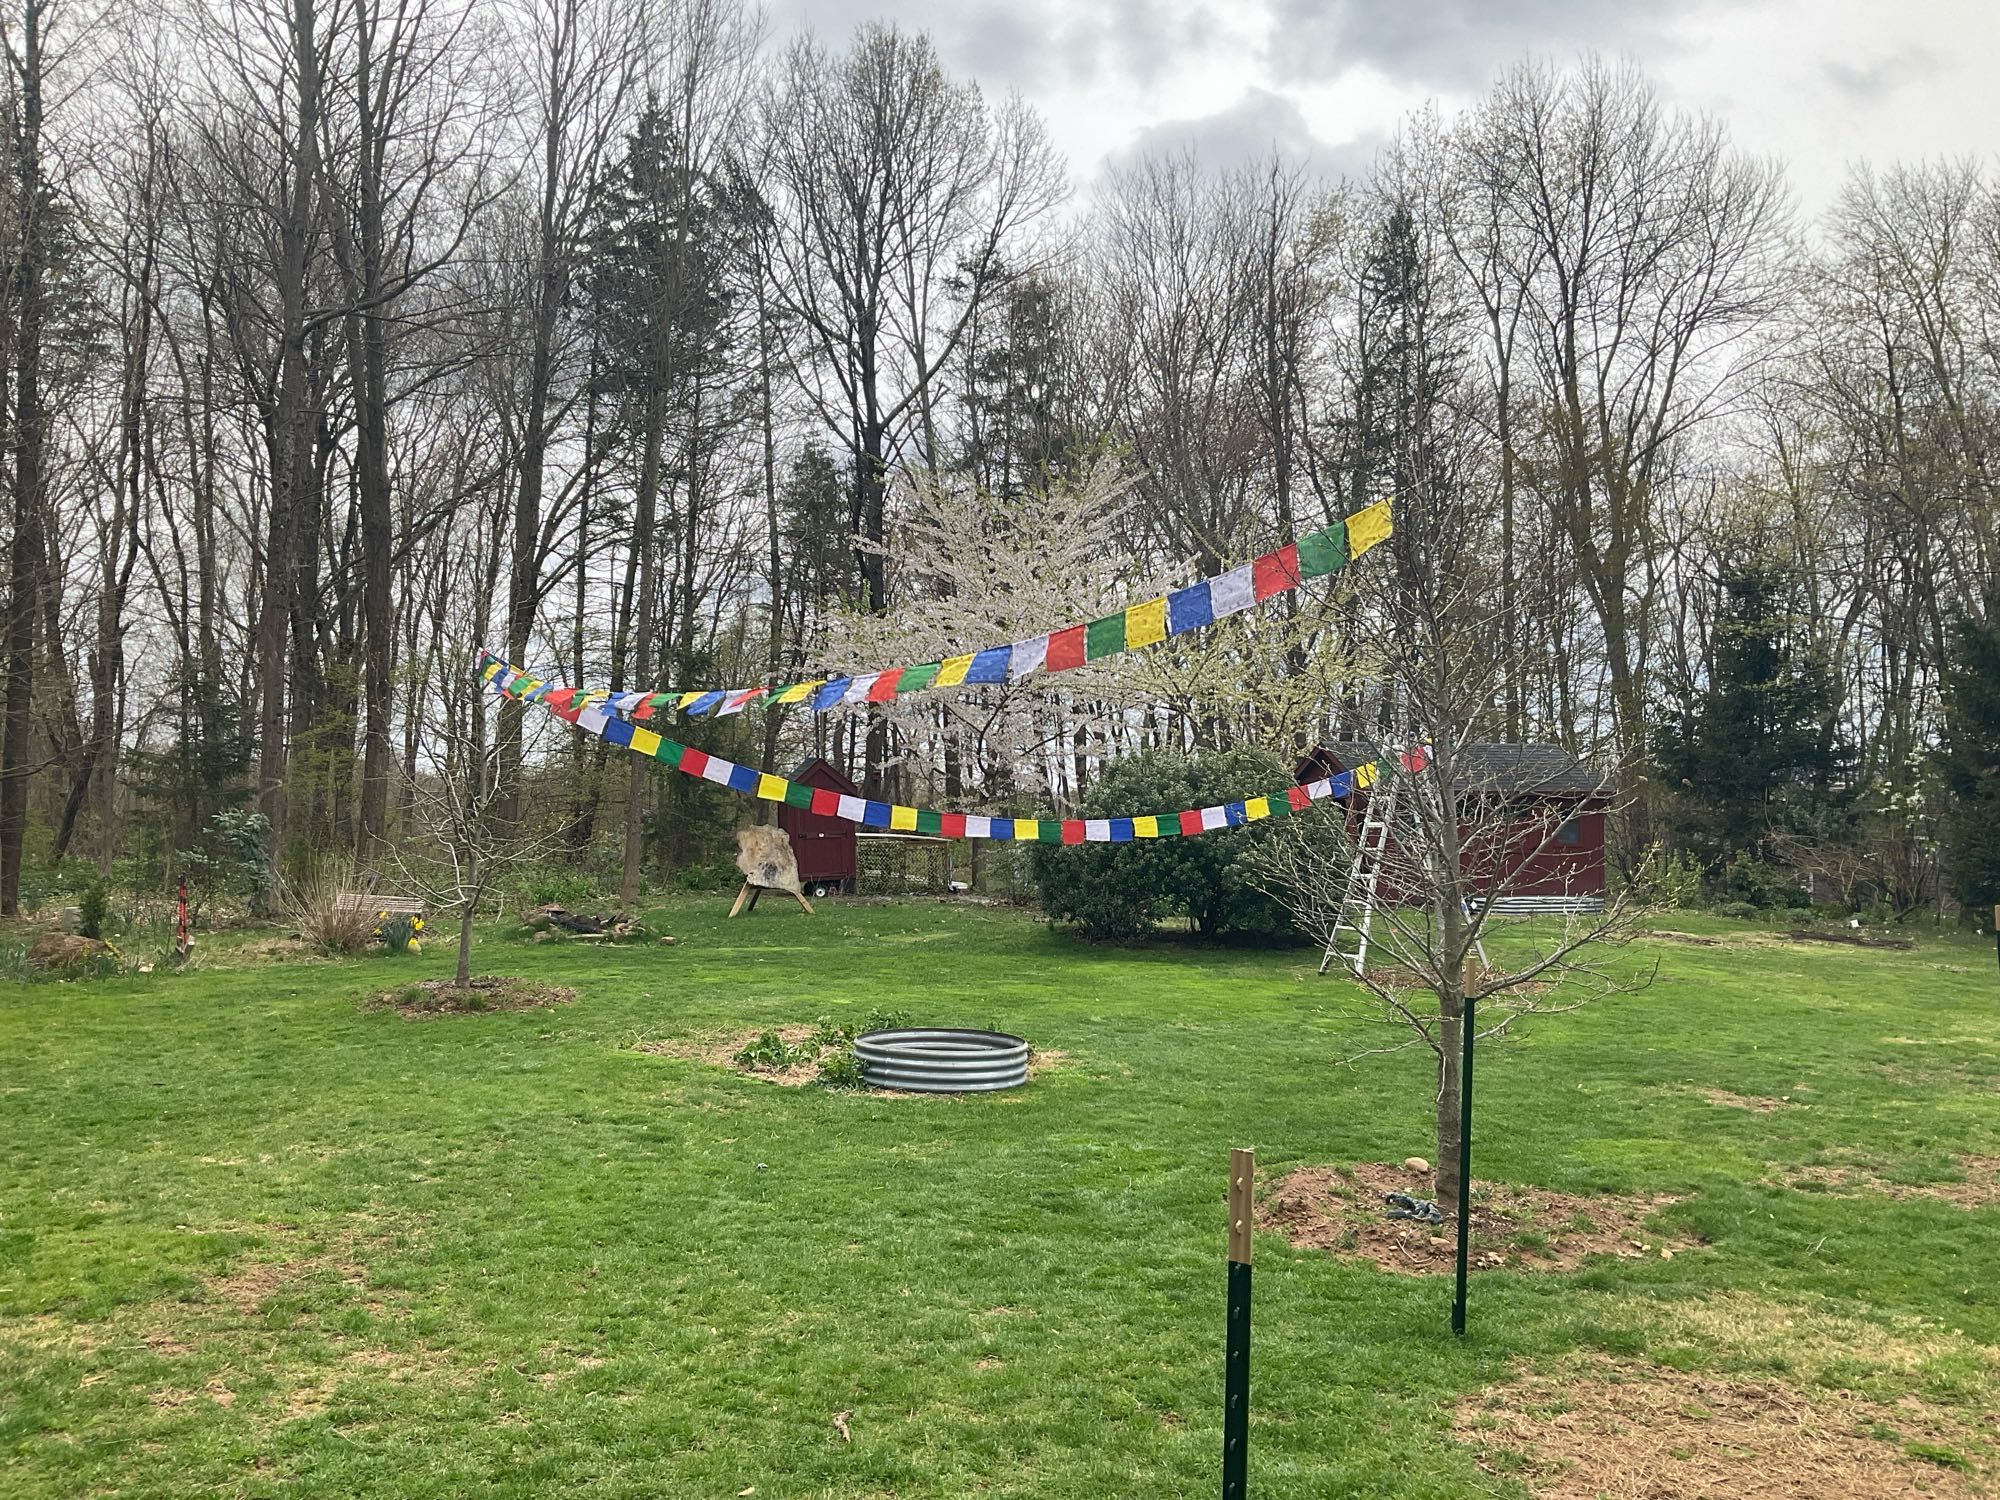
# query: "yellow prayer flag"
[[645, 742], [1364, 776], [1146, 623], [952, 670], [1145, 828], [770, 788], [1026, 830], [902, 819], [1255, 808], [489, 671], [688, 699], [797, 692], [1367, 527]]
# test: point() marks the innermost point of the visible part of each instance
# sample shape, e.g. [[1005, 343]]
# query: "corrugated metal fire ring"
[[941, 1060]]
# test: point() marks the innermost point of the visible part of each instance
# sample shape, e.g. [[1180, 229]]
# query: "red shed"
[[824, 845], [1539, 778]]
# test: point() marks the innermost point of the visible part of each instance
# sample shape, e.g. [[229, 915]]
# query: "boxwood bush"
[[1116, 892]]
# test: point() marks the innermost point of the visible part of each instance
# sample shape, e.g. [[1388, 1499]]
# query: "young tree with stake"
[[465, 840]]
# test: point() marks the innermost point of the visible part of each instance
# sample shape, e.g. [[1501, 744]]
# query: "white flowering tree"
[[974, 569]]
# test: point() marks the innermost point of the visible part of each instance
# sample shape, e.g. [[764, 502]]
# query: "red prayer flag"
[[694, 762], [884, 688], [1072, 830], [1191, 821], [1275, 572], [1299, 797], [1065, 649], [951, 825], [826, 804]]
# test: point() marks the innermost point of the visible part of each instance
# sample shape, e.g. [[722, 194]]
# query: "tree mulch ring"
[[486, 992], [1341, 1209], [1601, 1429]]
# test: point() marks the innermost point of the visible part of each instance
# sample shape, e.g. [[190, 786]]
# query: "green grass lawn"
[[256, 1239]]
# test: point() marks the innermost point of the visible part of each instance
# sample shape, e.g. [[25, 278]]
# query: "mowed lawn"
[[257, 1239]]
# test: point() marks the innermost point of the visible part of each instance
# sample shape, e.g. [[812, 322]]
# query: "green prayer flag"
[[1323, 552], [915, 679], [928, 821], [1105, 637]]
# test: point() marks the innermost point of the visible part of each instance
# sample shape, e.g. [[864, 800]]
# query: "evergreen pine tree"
[[1968, 759], [1750, 751]]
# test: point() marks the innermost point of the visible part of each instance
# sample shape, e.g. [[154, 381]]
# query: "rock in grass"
[[1416, 1164]]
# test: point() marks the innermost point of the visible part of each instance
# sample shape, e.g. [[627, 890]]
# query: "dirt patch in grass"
[[722, 1049], [1756, 1104], [487, 992], [1604, 1430], [1341, 1209], [1694, 940], [1978, 1185]]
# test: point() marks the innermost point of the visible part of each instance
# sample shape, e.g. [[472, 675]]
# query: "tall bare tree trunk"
[[24, 568]]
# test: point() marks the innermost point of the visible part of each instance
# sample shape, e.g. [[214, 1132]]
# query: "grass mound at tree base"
[[1341, 1209], [445, 997]]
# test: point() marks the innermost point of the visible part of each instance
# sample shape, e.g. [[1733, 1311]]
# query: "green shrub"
[[1673, 880], [767, 1050], [91, 909], [1745, 910], [1117, 892], [840, 1069], [240, 839], [715, 875], [1748, 879], [828, 1032], [1800, 916], [559, 885]]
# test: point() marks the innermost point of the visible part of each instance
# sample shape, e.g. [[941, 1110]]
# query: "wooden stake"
[[741, 896], [1242, 1178]]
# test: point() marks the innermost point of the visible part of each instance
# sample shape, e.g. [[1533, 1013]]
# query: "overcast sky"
[[1819, 83]]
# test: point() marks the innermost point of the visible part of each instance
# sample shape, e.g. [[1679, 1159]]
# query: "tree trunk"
[[1451, 1041], [645, 508], [289, 438], [25, 555], [468, 915]]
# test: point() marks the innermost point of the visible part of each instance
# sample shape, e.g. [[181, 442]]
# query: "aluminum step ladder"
[[1349, 938]]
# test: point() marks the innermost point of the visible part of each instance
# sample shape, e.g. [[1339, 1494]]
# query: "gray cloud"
[[1248, 130], [1456, 43], [1018, 44], [1866, 83]]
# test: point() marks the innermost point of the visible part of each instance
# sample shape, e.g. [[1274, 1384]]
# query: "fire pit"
[[926, 1060]]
